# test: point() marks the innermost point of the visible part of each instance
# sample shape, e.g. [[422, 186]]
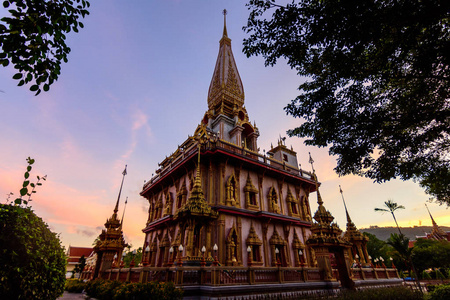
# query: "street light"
[[203, 263], [132, 263], [249, 256], [277, 252], [114, 264], [170, 263], [180, 262], [146, 257], [215, 248]]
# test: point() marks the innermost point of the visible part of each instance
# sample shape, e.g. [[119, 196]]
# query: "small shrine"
[[110, 243]]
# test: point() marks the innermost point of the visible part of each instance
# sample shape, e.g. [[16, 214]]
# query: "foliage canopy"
[[33, 38], [32, 258], [391, 207], [379, 82]]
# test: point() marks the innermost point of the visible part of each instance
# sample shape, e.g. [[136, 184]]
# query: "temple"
[[225, 219], [217, 189]]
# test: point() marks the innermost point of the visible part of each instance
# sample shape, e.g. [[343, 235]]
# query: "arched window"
[[254, 242], [251, 200], [181, 195]]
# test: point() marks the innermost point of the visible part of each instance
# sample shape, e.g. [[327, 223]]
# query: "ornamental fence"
[[224, 275]]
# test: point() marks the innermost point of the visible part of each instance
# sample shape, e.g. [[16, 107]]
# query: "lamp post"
[[122, 262], [170, 263], [132, 263], [180, 262], [147, 258], [371, 264], [114, 264], [249, 256], [203, 263], [382, 262], [300, 257], [216, 262], [392, 262], [277, 252]]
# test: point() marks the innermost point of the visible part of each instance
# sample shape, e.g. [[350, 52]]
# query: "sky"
[[134, 88]]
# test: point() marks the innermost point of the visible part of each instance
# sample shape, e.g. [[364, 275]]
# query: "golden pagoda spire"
[[226, 91], [123, 214], [196, 203], [322, 215], [436, 232], [116, 209], [345, 206]]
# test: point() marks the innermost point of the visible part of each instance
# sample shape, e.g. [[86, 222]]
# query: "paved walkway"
[[72, 296]]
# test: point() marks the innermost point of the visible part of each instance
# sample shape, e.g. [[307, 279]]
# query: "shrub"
[[426, 275], [440, 292], [107, 290], [439, 275], [148, 291], [397, 293], [75, 286], [102, 289], [32, 259]]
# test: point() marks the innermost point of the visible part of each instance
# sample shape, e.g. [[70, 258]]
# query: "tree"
[[80, 266], [431, 254], [391, 207], [400, 243], [32, 260], [33, 38], [376, 247], [130, 255], [378, 89]]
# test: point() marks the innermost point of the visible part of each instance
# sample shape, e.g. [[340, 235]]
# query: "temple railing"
[[232, 148], [188, 276]]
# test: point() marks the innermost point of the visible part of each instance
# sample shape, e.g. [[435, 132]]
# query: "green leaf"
[[34, 88], [28, 168], [5, 4], [17, 76], [46, 87], [23, 191], [18, 201], [26, 175]]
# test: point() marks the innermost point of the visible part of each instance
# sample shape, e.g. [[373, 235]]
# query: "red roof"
[[77, 252]]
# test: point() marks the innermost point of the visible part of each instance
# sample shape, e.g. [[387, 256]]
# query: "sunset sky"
[[134, 88]]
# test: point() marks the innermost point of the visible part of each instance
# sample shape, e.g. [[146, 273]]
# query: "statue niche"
[[233, 248], [168, 204], [231, 191], [273, 201]]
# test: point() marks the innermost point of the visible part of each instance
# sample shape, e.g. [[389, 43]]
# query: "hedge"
[[32, 259]]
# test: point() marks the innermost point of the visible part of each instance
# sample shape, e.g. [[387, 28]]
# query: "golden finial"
[[225, 23], [311, 161]]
